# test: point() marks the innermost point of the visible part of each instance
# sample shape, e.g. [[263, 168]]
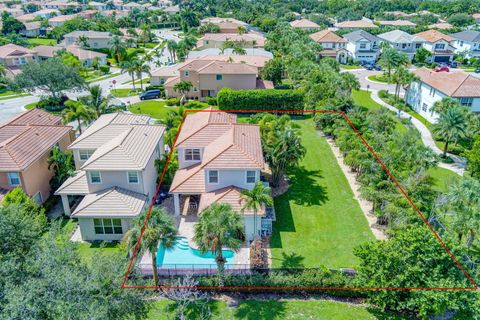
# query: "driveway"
[[363, 74]]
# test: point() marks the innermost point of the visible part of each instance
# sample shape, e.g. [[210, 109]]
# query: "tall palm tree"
[[391, 59], [219, 226], [445, 104], [141, 68], [172, 47], [451, 126], [401, 77], [118, 48], [160, 228], [350, 82], [255, 199], [76, 111], [96, 100], [239, 50], [63, 165], [130, 67], [183, 87]]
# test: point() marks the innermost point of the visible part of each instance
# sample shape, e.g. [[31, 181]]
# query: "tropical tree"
[[183, 87], [473, 157], [142, 67], [446, 103], [451, 126], [118, 48], [82, 41], [63, 165], [130, 66], [172, 47], [350, 82], [255, 199], [76, 111], [239, 50], [273, 70], [391, 59], [421, 55], [160, 228], [241, 30], [96, 100], [219, 226], [401, 77]]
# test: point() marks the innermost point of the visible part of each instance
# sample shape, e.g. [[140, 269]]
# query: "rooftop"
[[433, 36], [467, 35], [303, 23], [327, 36], [399, 36], [364, 23], [454, 84], [360, 35]]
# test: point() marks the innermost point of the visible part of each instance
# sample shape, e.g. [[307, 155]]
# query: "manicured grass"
[[351, 67], [318, 220], [145, 81], [275, 310], [31, 105], [154, 108], [103, 77], [442, 178], [41, 42], [14, 96], [87, 251], [122, 93], [378, 78]]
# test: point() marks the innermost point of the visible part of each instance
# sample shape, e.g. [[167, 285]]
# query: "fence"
[[172, 270]]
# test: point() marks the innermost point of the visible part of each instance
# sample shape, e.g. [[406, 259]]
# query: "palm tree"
[[118, 48], [451, 126], [130, 67], [446, 103], [183, 87], [141, 68], [241, 30], [76, 111], [401, 77], [255, 199], [82, 41], [172, 49], [96, 100], [63, 165], [350, 82], [391, 59], [239, 50], [160, 227], [219, 226]]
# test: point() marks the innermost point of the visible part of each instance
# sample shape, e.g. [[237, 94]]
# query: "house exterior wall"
[[367, 54], [150, 173], [437, 54], [116, 179], [472, 49], [250, 226], [227, 178], [87, 230], [234, 81], [182, 163], [95, 43], [13, 61]]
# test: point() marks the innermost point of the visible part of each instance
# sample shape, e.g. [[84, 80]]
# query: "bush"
[[104, 69], [267, 99], [52, 105], [196, 105], [212, 101], [172, 102]]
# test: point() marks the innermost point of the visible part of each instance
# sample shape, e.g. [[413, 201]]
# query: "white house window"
[[424, 107], [187, 73], [192, 154], [108, 226], [132, 177], [37, 197], [95, 177], [195, 89], [85, 154], [251, 176], [440, 46], [467, 102], [418, 45], [13, 179], [213, 176], [363, 45], [219, 77]]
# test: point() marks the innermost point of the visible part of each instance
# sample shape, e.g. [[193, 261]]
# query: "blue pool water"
[[181, 255]]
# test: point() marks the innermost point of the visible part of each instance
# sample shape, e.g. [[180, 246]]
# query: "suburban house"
[[46, 13], [133, 5], [476, 17], [226, 25], [396, 14], [33, 29], [13, 56], [61, 5], [362, 46], [25, 18], [60, 20], [116, 175], [217, 159], [467, 42], [440, 45], [304, 24], [15, 12], [355, 24], [26, 143], [217, 40], [396, 23], [402, 42], [209, 76], [100, 6], [94, 39], [332, 44], [441, 25], [195, 54], [86, 57], [433, 86]]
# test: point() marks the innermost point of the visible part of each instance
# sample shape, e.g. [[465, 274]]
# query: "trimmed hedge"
[[264, 99]]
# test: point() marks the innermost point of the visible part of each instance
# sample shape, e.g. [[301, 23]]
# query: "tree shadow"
[[258, 310], [305, 188], [195, 310], [292, 261], [384, 315]]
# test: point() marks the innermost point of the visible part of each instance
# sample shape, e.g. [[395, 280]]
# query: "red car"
[[442, 69]]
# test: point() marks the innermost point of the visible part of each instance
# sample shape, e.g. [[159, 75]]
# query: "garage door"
[[442, 59]]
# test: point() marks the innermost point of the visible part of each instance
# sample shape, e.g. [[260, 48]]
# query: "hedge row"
[[266, 99]]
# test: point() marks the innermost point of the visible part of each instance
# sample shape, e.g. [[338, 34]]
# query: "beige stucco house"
[[13, 56], [86, 57], [333, 45], [95, 39], [217, 40], [26, 142], [226, 25], [116, 175]]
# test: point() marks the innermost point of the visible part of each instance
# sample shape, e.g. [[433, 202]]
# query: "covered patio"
[[72, 190]]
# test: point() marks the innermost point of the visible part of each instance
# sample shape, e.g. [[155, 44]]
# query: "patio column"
[[66, 204], [176, 203]]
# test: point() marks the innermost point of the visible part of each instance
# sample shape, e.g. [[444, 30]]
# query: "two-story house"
[[304, 24], [217, 40], [26, 143], [116, 174], [402, 42], [467, 42], [440, 45], [13, 56], [209, 76], [94, 39], [433, 86], [217, 158], [362, 46], [333, 45]]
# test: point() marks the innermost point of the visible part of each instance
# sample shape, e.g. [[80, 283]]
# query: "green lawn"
[[41, 42], [318, 220], [442, 178], [122, 93], [276, 310], [92, 77], [351, 67], [153, 108], [378, 78], [88, 250]]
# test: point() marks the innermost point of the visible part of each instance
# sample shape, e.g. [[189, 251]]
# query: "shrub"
[[104, 69], [52, 104], [212, 101], [196, 105], [267, 99], [172, 102]]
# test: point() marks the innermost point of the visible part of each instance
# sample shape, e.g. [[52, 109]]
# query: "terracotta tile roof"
[[251, 60], [434, 36], [303, 23], [36, 117], [231, 195], [454, 84], [27, 138], [218, 20], [327, 36], [222, 67], [13, 49], [76, 185], [355, 24], [397, 23], [62, 18], [441, 25]]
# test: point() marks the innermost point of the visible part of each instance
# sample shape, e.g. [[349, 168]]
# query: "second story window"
[[95, 177], [418, 45], [251, 176], [440, 46], [466, 102], [219, 77], [13, 179], [363, 45], [192, 154], [213, 176], [187, 73], [132, 177], [85, 154]]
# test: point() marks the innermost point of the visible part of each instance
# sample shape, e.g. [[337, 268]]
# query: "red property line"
[[233, 288]]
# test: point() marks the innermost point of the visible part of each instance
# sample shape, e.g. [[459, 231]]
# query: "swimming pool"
[[181, 255]]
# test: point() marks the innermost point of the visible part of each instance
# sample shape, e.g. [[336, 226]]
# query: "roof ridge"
[[101, 196], [207, 65], [123, 191], [461, 83]]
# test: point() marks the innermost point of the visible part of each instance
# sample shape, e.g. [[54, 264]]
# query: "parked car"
[[477, 70], [377, 67], [369, 66], [150, 94], [453, 64], [442, 69]]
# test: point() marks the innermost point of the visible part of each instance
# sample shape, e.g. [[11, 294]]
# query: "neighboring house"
[[33, 29], [402, 42], [355, 24], [13, 56], [226, 25], [87, 14], [60, 20], [195, 54], [25, 18], [441, 25], [217, 159], [208, 77], [86, 57], [95, 39], [467, 42], [476, 17], [439, 45], [362, 46], [116, 174], [46, 13], [100, 6], [397, 14], [304, 24], [332, 44], [396, 23], [13, 11], [61, 5], [132, 5], [217, 40], [433, 86], [171, 10], [26, 143]]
